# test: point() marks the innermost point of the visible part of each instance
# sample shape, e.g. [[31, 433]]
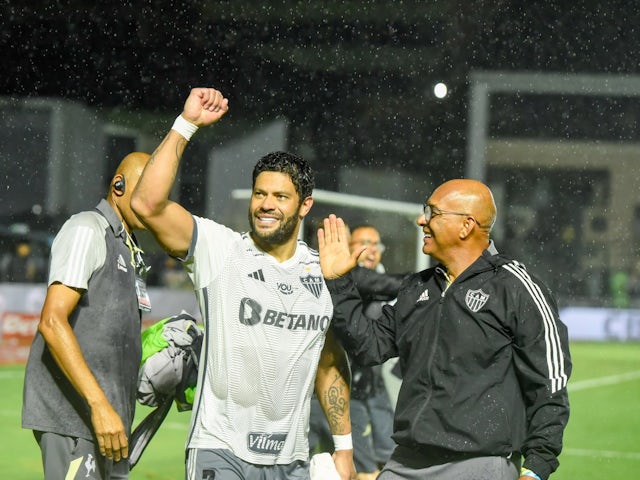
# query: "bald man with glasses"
[[484, 356]]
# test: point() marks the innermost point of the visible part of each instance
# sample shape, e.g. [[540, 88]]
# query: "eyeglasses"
[[431, 211], [368, 243]]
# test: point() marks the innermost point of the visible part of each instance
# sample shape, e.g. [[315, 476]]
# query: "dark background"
[[353, 78]]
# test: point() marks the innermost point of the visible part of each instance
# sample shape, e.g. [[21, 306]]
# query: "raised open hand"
[[333, 242]]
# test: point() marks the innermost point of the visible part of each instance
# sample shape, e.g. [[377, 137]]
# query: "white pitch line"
[[599, 382], [600, 453]]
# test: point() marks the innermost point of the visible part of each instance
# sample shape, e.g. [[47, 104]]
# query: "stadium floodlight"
[[440, 90]]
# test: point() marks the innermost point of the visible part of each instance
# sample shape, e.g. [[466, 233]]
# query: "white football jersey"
[[265, 325]]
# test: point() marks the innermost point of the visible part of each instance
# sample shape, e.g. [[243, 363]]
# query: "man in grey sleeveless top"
[[81, 375]]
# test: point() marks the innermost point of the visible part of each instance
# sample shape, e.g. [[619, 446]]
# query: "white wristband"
[[342, 442], [184, 127]]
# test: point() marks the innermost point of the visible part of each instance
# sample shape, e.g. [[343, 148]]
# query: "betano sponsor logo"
[[251, 313]]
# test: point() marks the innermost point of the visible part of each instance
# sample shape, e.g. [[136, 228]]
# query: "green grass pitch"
[[601, 441]]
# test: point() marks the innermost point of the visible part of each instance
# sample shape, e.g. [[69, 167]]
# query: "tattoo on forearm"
[[152, 159], [337, 406], [180, 146]]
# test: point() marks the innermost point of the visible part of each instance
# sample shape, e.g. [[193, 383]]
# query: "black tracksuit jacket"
[[485, 363]]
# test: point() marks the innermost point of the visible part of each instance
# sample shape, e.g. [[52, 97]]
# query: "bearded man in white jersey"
[[266, 311]]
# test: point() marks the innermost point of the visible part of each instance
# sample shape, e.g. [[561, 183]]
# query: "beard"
[[279, 236]]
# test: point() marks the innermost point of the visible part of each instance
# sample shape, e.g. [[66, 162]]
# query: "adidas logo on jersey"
[[424, 296], [258, 275], [122, 265]]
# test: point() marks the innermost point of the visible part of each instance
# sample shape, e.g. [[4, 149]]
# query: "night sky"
[[358, 75]]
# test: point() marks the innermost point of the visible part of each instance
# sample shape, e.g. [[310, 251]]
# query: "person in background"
[[23, 265], [483, 353], [266, 312], [371, 409], [81, 376]]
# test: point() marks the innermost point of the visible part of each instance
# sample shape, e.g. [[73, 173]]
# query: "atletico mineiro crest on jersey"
[[475, 299], [313, 284]]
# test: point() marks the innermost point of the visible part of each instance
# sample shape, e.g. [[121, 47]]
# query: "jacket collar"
[[490, 259], [109, 213], [492, 248]]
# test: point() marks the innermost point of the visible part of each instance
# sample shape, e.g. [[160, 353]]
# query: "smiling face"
[[275, 210], [441, 233], [462, 213]]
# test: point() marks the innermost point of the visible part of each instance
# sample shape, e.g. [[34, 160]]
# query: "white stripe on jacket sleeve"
[[555, 356]]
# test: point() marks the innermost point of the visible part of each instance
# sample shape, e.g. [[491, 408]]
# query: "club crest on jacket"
[[475, 299]]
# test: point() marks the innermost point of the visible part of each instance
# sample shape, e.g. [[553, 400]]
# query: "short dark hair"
[[362, 225], [295, 166]]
